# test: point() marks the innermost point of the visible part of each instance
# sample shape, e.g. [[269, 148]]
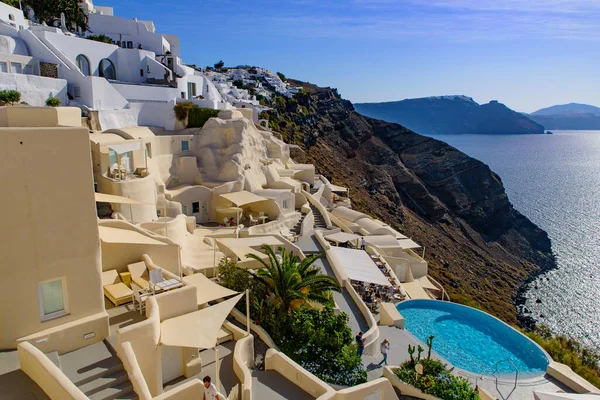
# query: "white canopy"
[[342, 237], [359, 266], [111, 198], [336, 188], [207, 290], [407, 244], [564, 396], [199, 329], [243, 197], [127, 146]]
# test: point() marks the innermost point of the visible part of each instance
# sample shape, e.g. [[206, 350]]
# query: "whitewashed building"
[[137, 80]]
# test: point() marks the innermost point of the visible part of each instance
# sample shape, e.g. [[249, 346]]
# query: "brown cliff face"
[[477, 245]]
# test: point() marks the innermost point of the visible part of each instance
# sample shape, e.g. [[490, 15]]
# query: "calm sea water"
[[554, 180]]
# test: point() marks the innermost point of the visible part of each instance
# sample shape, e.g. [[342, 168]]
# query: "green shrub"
[[321, 342], [9, 97], [198, 116], [100, 38], [182, 110], [584, 361], [281, 76], [53, 102], [436, 380]]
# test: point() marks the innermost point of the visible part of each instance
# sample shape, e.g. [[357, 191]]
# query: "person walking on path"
[[385, 349], [210, 391], [363, 243], [360, 344]]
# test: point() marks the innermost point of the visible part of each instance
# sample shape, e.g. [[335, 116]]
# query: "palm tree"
[[291, 283]]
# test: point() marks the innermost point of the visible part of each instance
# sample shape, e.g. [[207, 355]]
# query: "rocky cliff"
[[568, 116], [451, 115], [477, 245]]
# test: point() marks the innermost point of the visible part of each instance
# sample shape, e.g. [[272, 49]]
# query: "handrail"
[[436, 283], [516, 377]]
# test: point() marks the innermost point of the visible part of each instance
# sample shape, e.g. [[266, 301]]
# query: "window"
[[15, 68], [107, 69], [205, 208], [141, 72], [83, 64], [191, 88], [285, 204], [3, 67], [112, 157], [185, 210], [195, 207], [185, 145], [52, 298], [11, 17], [183, 95], [130, 45], [158, 212]]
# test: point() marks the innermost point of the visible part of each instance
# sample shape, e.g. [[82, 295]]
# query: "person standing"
[[360, 344], [210, 392], [385, 349], [363, 243]]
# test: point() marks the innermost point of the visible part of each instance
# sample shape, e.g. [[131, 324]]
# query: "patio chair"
[[253, 221], [114, 289], [138, 297], [139, 274], [225, 221]]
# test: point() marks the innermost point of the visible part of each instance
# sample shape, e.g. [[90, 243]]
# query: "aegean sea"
[[554, 180]]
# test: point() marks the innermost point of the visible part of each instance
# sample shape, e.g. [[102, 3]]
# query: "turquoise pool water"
[[472, 340]]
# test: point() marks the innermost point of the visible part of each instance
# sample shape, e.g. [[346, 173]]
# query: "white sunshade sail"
[[336, 188], [415, 290], [359, 266], [564, 396], [199, 329], [242, 198], [342, 237], [207, 290], [126, 147], [111, 198]]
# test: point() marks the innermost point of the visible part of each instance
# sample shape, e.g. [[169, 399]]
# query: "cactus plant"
[[419, 351], [429, 343], [411, 352]]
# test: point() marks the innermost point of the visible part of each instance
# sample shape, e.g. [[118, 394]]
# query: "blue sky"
[[527, 54]]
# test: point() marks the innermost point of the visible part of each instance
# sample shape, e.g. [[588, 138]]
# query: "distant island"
[[572, 116], [452, 115]]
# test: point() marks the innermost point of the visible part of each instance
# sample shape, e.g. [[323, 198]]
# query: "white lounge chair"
[[253, 221]]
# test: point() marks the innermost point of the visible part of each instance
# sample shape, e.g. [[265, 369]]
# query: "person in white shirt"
[[385, 349], [211, 392], [363, 243]]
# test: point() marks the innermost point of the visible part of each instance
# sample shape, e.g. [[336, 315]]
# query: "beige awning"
[[336, 188], [111, 198], [199, 329], [243, 197], [207, 290], [342, 237], [415, 290]]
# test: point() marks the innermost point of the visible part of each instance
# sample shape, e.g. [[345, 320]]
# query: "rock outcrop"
[[477, 245]]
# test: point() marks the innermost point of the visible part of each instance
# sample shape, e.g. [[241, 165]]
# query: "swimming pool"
[[472, 340]]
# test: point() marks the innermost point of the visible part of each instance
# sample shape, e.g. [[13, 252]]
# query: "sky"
[[527, 54]]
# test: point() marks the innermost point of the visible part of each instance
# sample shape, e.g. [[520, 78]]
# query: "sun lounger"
[[139, 274], [114, 289]]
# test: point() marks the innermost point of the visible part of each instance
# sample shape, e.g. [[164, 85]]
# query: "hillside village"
[[143, 251]]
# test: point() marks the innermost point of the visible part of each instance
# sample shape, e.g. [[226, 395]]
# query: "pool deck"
[[400, 339]]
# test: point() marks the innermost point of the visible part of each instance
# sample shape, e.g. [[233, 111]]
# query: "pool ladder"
[[508, 360]]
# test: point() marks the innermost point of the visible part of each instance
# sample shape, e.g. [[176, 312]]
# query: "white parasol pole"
[[217, 368], [248, 311]]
